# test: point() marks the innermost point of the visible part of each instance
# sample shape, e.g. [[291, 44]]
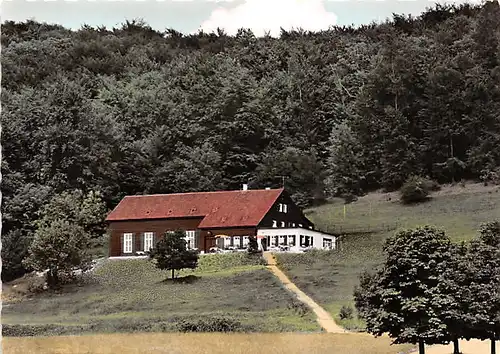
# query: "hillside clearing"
[[329, 277], [132, 296], [201, 343], [458, 209]]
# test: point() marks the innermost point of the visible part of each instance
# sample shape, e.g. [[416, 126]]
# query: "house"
[[223, 219]]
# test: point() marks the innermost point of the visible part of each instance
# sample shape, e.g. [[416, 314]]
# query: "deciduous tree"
[[403, 298], [59, 247], [171, 253]]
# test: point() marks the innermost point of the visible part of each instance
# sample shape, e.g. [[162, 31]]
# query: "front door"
[[210, 241]]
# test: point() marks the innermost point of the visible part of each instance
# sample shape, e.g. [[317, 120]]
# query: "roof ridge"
[[208, 192]]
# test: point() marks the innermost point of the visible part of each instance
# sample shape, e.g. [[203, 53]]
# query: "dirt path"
[[324, 318], [466, 347]]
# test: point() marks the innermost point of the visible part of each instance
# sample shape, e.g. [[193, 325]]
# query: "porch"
[[294, 239]]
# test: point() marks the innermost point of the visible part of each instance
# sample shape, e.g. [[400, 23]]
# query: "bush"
[[218, 262], [36, 284], [253, 246], [210, 324], [415, 189], [15, 330], [346, 312], [299, 307]]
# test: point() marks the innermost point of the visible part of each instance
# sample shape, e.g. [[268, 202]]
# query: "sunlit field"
[[201, 343]]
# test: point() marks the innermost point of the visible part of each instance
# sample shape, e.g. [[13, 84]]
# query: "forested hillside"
[[132, 110]]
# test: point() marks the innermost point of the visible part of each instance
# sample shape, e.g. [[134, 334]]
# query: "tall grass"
[[287, 343]]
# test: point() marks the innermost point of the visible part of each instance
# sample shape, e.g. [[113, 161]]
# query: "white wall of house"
[[296, 238]]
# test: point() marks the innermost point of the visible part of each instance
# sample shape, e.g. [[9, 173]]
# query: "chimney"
[[245, 187]]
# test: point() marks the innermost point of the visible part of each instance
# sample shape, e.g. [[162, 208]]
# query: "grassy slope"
[[132, 295], [329, 277]]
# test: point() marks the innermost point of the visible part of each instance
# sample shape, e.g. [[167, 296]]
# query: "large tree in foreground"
[[64, 233], [171, 253], [59, 247], [483, 270], [402, 298]]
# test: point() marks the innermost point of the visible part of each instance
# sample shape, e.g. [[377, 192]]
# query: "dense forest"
[[132, 110]]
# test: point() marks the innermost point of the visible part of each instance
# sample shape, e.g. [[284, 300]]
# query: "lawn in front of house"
[[132, 295]]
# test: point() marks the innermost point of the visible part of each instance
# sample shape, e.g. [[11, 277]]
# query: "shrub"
[[210, 324], [36, 284], [299, 307], [15, 330], [253, 247], [346, 312], [217, 262], [415, 189]]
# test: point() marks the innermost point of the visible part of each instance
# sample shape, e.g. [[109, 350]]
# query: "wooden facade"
[[292, 218], [138, 227], [205, 238]]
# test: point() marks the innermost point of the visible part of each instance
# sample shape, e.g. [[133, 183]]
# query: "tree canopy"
[[132, 110], [171, 253], [431, 291]]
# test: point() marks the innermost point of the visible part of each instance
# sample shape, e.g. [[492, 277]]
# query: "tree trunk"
[[52, 278], [173, 270], [493, 346], [421, 347], [456, 346]]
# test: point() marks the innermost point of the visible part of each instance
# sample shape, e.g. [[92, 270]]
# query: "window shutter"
[[133, 242], [121, 243], [141, 235], [196, 238]]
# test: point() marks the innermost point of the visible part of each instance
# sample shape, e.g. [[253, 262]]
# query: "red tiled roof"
[[218, 209]]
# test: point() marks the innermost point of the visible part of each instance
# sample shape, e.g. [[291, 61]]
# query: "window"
[[293, 224], [190, 239], [282, 224], [127, 242], [283, 240], [300, 225], [227, 242], [275, 223], [246, 240], [327, 243], [237, 241], [283, 208], [148, 241]]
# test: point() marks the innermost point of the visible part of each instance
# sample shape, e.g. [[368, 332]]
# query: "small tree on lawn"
[[171, 253], [59, 247], [402, 298], [253, 246]]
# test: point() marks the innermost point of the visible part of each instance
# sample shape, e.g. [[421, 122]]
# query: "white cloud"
[[269, 15]]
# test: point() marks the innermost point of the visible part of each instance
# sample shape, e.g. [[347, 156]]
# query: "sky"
[[189, 16]]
